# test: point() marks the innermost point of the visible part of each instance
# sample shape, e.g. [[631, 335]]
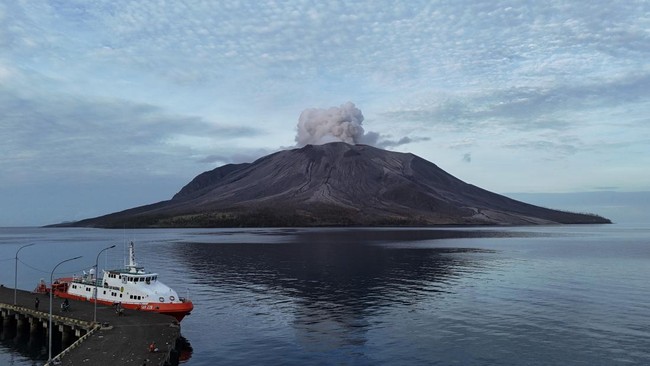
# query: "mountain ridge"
[[334, 184]]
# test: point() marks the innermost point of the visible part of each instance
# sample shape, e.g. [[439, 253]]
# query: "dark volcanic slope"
[[334, 184]]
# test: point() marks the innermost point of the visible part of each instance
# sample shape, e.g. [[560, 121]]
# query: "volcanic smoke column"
[[320, 126]]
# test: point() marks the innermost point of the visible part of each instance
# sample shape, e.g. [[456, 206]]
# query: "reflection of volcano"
[[335, 280]]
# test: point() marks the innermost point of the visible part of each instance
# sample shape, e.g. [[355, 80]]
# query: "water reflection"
[[333, 284]]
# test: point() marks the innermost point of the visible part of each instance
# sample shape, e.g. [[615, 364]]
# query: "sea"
[[542, 295]]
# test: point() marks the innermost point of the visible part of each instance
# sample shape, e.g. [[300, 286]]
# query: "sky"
[[108, 105]]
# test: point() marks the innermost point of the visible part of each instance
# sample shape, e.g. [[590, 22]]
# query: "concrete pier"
[[113, 340]]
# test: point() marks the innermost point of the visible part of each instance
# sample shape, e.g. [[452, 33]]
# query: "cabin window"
[[104, 292], [120, 295]]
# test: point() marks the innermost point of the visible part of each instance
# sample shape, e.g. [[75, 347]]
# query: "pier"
[[76, 339]]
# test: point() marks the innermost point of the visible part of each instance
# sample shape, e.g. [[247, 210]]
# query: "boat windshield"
[[147, 279]]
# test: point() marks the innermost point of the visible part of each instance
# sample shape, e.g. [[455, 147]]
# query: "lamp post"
[[49, 327], [16, 272], [96, 283]]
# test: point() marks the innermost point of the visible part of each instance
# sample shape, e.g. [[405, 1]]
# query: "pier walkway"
[[113, 340]]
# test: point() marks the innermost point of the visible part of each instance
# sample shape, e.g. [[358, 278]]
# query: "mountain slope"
[[334, 184]]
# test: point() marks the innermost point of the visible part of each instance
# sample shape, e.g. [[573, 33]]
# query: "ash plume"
[[318, 126]]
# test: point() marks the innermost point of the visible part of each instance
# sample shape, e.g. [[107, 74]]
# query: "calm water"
[[576, 295]]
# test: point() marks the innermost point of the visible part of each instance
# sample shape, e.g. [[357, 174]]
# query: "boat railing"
[[78, 279]]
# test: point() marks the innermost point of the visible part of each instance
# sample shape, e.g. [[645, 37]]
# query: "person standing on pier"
[[36, 302]]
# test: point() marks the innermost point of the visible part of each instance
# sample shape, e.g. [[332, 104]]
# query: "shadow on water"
[[34, 349]]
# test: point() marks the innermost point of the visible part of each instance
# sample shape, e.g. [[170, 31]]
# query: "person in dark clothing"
[[36, 302]]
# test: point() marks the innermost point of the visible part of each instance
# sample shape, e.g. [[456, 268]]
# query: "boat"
[[129, 288]]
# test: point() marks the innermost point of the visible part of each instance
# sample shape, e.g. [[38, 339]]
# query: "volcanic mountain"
[[335, 184]]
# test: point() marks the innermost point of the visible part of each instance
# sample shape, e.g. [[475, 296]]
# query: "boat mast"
[[132, 264]]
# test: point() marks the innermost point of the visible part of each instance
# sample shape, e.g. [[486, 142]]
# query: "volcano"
[[335, 184]]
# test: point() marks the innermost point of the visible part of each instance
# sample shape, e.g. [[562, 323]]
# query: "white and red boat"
[[131, 287]]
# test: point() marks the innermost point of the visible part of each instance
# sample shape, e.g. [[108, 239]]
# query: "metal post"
[[49, 327], [96, 283], [16, 272]]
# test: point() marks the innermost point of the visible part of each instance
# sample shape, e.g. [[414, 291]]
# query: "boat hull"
[[176, 309]]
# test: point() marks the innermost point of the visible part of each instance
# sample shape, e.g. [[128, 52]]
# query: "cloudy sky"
[[107, 105]]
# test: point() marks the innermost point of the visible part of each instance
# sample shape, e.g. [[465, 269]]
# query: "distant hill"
[[619, 207], [335, 184]]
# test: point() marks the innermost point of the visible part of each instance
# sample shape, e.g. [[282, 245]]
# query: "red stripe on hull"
[[177, 310]]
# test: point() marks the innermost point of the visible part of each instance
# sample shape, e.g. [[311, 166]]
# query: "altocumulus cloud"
[[147, 86]]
